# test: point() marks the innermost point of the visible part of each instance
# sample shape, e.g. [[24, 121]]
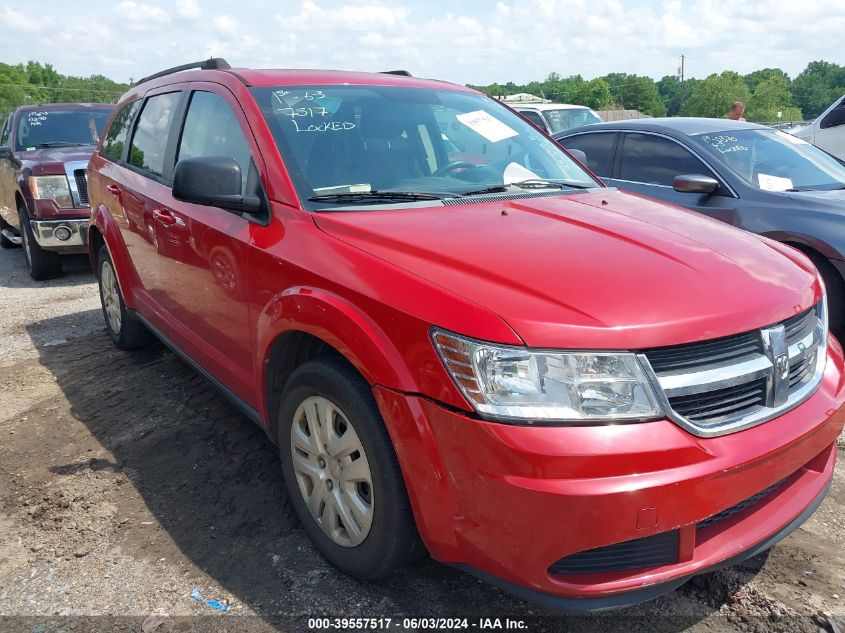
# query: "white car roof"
[[546, 106]]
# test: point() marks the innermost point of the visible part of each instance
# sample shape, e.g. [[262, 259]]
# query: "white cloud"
[[188, 9], [225, 23], [141, 17], [24, 23]]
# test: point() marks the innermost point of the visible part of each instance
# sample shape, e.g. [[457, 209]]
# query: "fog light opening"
[[62, 233]]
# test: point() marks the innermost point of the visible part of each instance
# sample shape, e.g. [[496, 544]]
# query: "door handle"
[[164, 216], [114, 190]]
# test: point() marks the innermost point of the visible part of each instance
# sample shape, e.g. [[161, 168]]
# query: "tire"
[[4, 242], [835, 294], [363, 551], [41, 264], [124, 328]]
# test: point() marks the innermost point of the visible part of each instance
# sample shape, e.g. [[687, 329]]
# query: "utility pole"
[[681, 73]]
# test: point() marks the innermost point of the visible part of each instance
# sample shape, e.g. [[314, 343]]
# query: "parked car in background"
[[828, 130], [761, 180], [44, 151], [577, 394], [556, 117]]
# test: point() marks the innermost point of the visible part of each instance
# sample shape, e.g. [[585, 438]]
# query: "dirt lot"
[[126, 482]]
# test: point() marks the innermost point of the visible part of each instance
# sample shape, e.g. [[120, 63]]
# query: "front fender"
[[335, 320]]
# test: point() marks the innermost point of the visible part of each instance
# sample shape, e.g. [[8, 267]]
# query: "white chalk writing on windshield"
[[36, 118], [302, 116], [724, 144]]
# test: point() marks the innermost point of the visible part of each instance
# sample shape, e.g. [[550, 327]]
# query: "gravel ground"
[[126, 482]]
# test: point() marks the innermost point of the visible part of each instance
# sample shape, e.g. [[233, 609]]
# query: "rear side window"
[[599, 150], [656, 161], [211, 129], [119, 132], [535, 118], [4, 139], [149, 143]]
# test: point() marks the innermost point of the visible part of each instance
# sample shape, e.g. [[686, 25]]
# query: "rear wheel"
[[124, 328], [341, 471], [42, 264]]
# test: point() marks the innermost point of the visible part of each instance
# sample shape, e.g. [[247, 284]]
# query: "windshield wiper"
[[60, 144], [359, 197], [531, 183]]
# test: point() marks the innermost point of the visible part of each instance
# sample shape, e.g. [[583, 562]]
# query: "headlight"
[[53, 188], [547, 386]]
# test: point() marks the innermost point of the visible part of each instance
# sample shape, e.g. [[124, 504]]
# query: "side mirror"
[[695, 183], [834, 118], [213, 181], [5, 152], [580, 155]]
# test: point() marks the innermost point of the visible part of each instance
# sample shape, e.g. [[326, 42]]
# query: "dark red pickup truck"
[[44, 150]]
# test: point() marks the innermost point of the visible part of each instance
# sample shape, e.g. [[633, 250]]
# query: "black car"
[[751, 176]]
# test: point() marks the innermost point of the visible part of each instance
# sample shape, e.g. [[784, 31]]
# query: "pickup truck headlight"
[[547, 386], [53, 188]]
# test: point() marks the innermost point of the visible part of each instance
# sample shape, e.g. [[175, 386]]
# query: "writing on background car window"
[[724, 143]]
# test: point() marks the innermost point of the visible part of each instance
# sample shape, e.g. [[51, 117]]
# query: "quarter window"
[[211, 129], [149, 143], [598, 148], [119, 132], [656, 161], [534, 117]]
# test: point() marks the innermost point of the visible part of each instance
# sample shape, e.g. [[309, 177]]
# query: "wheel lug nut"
[[329, 484], [322, 462]]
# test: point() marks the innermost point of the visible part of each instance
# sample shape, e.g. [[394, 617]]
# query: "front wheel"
[[41, 264], [124, 328], [341, 471]]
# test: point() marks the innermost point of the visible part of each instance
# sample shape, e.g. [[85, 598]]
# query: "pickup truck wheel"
[[41, 264], [341, 471], [124, 328]]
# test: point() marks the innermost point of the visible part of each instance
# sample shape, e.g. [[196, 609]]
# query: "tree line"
[[34, 83], [764, 92]]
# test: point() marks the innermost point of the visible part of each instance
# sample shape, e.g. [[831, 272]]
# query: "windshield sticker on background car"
[[773, 183], [515, 172], [486, 125], [724, 143]]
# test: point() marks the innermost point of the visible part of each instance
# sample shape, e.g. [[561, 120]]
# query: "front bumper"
[[50, 234], [509, 502]]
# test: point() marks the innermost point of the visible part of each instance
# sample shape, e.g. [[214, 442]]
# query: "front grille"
[[739, 507], [711, 407], [82, 186], [723, 385], [689, 357], [650, 551]]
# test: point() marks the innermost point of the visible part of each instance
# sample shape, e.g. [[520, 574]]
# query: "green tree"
[[635, 92], [753, 79], [771, 96], [818, 86], [715, 94]]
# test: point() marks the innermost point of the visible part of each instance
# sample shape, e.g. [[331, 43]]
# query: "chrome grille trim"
[[791, 362], [70, 168]]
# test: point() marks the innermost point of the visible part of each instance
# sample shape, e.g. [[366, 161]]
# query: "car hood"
[[601, 270], [51, 160], [827, 200]]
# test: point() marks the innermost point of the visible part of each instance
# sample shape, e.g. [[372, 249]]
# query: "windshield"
[[342, 140], [45, 128], [564, 119], [775, 161]]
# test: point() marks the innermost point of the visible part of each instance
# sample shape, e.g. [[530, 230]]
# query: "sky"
[[474, 41]]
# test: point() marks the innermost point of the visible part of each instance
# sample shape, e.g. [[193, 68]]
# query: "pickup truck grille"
[[725, 385], [81, 186]]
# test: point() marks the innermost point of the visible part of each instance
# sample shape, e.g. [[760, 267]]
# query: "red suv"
[[581, 395]]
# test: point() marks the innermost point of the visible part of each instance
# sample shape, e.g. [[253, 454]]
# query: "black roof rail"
[[212, 63], [404, 73]]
